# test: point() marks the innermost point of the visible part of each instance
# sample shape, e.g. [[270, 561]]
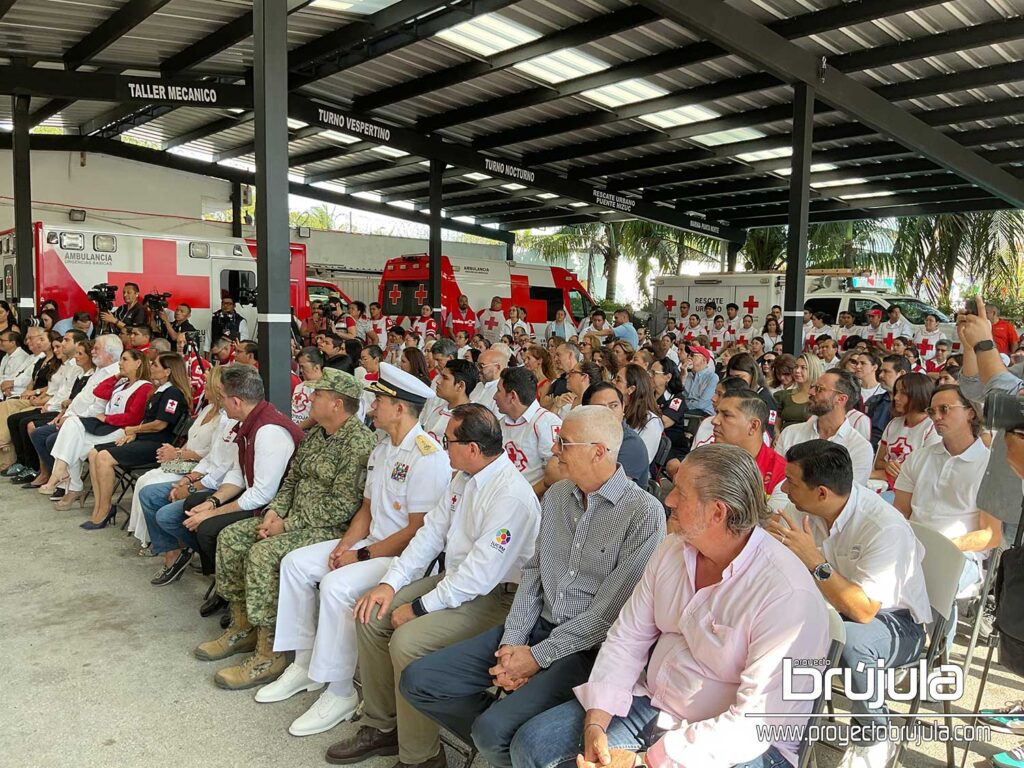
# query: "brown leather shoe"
[[366, 743], [437, 761]]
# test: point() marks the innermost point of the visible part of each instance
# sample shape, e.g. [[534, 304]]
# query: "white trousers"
[[73, 446], [137, 521], [332, 636]]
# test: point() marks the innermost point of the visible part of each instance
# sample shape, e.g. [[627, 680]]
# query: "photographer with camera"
[[181, 324], [227, 323], [125, 316]]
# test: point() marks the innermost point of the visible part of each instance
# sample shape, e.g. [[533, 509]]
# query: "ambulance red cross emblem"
[[160, 273]]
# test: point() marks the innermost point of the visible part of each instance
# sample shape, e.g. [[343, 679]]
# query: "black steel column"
[[23, 209], [510, 250], [270, 97], [799, 207], [434, 243], [236, 209], [731, 252]]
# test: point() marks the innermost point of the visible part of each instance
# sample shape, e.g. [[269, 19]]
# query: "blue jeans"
[[165, 519], [43, 438], [892, 636], [449, 686], [552, 738]]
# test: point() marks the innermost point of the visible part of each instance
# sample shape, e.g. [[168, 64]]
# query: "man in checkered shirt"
[[598, 530]]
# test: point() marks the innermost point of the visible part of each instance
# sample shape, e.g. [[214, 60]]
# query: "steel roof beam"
[[561, 221], [881, 55], [570, 37], [806, 24], [219, 125], [894, 212]]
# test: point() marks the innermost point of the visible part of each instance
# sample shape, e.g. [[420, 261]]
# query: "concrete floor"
[[100, 671]]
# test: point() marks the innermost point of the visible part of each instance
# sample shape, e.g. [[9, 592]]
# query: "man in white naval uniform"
[[407, 474]]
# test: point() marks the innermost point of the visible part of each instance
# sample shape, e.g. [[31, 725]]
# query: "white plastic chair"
[[942, 566], [837, 634]]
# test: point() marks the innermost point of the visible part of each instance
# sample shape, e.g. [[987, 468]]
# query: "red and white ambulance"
[[541, 288], [199, 271]]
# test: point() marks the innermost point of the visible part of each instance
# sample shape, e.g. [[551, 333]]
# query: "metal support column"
[[23, 209], [510, 251], [732, 252], [799, 213], [236, 209], [434, 244], [273, 263]]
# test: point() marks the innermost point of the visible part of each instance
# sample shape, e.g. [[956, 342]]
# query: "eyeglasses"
[[445, 442], [562, 443], [819, 388], [942, 409]]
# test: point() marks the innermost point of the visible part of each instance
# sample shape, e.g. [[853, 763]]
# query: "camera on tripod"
[[247, 296], [1004, 411], [157, 302], [103, 295]]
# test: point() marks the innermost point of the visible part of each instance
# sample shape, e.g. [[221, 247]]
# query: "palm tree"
[[765, 249], [593, 238]]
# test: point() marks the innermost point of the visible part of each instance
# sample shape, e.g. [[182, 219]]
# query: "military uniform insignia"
[[400, 472], [425, 445]]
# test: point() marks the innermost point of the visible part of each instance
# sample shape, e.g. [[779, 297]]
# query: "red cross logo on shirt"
[[670, 303], [160, 273], [888, 340], [899, 449], [421, 294], [515, 455], [924, 347], [491, 322], [715, 344], [395, 295], [751, 304]]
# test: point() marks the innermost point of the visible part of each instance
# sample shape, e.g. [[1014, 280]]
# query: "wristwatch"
[[417, 608], [984, 346], [822, 572], [363, 554]]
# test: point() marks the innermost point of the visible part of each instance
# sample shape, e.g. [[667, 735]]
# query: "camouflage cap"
[[343, 383]]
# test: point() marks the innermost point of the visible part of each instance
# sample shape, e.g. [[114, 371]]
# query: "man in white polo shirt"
[[527, 430], [492, 362], [938, 484], [867, 564], [453, 384], [827, 403]]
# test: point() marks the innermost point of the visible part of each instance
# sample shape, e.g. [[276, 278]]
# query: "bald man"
[[492, 362]]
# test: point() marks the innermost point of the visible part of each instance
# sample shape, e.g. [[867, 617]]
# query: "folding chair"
[[658, 466], [837, 633], [943, 564]]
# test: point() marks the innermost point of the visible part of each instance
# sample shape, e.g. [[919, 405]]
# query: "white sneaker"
[[294, 679], [867, 755], [326, 712]]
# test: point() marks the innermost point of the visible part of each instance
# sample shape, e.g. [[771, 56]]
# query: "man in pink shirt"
[[722, 604]]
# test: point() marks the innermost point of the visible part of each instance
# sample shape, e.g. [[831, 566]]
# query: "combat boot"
[[239, 637], [262, 667]]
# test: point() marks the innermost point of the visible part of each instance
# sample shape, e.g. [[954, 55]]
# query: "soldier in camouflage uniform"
[[317, 498]]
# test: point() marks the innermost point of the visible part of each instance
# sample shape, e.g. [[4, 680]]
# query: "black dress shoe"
[[212, 604], [25, 477]]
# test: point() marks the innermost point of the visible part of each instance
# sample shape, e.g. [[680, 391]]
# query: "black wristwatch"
[[417, 608], [363, 554], [984, 346]]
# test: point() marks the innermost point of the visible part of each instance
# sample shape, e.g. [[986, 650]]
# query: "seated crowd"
[[624, 535]]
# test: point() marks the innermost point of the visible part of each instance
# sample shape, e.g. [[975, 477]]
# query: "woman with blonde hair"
[[169, 401], [622, 352], [793, 402], [175, 463]]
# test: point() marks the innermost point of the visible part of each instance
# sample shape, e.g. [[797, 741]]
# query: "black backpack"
[[1010, 609]]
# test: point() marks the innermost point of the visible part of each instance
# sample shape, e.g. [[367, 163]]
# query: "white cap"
[[396, 383]]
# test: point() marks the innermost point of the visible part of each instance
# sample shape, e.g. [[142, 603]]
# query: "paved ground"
[[99, 670]]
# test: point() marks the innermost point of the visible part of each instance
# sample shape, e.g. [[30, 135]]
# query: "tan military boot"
[[263, 666], [239, 637]]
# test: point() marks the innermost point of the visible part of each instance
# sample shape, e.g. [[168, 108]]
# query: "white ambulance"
[[830, 292], [71, 260], [541, 288]]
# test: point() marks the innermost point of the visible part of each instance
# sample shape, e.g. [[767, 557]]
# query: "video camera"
[[1004, 411], [157, 302], [103, 296], [247, 296]]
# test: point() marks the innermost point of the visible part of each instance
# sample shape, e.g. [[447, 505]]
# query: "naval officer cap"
[[394, 382]]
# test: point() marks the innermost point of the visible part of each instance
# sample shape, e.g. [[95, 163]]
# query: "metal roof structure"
[[551, 112]]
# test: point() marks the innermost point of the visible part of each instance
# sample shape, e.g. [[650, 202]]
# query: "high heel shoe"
[[69, 499], [89, 525], [51, 486]]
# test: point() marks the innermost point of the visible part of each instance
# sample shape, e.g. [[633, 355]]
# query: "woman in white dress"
[[175, 463]]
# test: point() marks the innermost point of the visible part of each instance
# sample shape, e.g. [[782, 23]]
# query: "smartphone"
[[971, 306]]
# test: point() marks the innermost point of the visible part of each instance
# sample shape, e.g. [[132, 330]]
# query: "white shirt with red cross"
[[925, 343], [529, 440], [490, 322]]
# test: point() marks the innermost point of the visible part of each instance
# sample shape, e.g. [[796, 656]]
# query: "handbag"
[[179, 466], [94, 426]]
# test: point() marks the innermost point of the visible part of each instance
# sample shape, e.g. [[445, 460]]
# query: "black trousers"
[[209, 530], [18, 423]]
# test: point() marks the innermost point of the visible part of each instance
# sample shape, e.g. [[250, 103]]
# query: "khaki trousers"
[[385, 652]]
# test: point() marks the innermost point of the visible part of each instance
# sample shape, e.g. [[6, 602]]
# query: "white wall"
[[147, 198]]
